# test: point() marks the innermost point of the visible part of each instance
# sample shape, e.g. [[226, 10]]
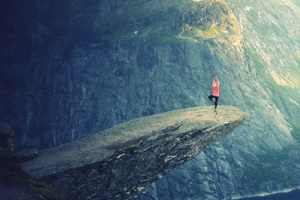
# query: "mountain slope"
[[83, 60], [260, 161], [83, 66]]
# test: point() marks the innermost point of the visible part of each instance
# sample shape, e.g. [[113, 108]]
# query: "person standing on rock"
[[215, 93]]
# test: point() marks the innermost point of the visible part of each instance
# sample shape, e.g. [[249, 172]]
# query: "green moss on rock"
[[13, 175], [163, 22]]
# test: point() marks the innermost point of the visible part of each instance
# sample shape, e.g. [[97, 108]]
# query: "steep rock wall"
[[72, 69], [65, 77], [263, 160]]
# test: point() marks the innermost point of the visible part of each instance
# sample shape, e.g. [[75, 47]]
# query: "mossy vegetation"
[[164, 22], [163, 136], [45, 190], [267, 167], [128, 149], [285, 97], [12, 175], [270, 166], [288, 101], [295, 71]]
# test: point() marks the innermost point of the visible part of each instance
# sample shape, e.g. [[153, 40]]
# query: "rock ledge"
[[122, 162]]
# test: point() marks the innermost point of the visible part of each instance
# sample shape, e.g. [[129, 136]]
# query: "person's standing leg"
[[216, 102]]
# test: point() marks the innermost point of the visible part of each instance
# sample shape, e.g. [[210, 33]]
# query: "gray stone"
[[7, 135], [28, 154], [122, 162]]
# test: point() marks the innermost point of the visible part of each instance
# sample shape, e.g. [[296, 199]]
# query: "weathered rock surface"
[[122, 162], [7, 135], [78, 69]]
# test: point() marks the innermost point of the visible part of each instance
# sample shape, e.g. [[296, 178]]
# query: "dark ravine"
[[122, 162]]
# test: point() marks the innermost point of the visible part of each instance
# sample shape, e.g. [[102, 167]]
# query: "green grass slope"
[[163, 22]]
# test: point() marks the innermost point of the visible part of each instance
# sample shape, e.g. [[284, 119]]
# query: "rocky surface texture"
[[7, 135], [72, 68], [122, 162], [265, 159], [82, 73]]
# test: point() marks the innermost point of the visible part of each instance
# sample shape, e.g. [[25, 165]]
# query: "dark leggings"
[[216, 99]]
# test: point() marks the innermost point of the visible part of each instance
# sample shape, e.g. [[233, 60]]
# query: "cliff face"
[[83, 70], [263, 160], [122, 162], [69, 69]]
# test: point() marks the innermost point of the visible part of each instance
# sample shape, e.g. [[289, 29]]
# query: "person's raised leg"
[[211, 98]]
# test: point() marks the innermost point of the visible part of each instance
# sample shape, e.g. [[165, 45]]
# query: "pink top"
[[216, 90]]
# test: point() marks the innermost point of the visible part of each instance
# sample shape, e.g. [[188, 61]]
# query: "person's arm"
[[217, 81]]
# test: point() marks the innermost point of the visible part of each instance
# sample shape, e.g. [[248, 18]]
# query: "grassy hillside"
[[271, 42], [159, 22]]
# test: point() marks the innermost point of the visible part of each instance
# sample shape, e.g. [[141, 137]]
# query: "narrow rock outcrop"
[[121, 162]]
